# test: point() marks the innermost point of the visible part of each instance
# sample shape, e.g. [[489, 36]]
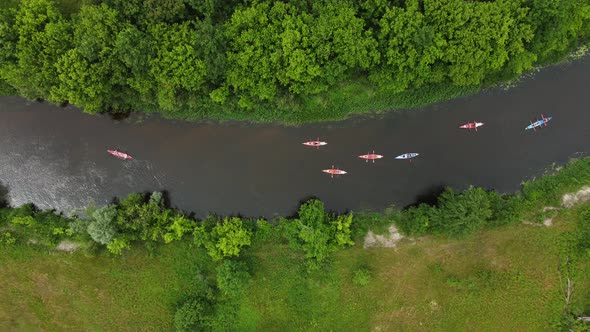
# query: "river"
[[56, 157]]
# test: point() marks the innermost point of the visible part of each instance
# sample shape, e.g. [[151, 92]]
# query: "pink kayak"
[[317, 143], [334, 171], [472, 125], [119, 154], [371, 156]]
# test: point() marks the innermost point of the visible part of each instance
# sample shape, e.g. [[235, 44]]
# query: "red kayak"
[[317, 143], [334, 171], [119, 154], [472, 125], [371, 156]]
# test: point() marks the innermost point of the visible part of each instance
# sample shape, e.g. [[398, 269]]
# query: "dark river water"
[[56, 157]]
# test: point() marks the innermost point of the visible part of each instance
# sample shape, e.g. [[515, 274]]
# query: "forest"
[[286, 61]]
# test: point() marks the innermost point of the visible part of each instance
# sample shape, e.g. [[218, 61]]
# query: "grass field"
[[56, 291], [504, 279]]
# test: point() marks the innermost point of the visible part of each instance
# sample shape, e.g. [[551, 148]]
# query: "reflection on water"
[[41, 172]]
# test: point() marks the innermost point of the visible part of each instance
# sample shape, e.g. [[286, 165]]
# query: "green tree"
[[102, 227], [411, 49], [225, 239], [481, 37], [146, 221], [417, 220], [276, 45], [91, 75], [316, 232], [462, 214], [559, 25], [192, 315], [43, 37], [232, 278], [180, 225], [176, 67]]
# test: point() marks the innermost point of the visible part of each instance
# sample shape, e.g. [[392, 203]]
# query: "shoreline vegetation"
[[473, 260], [272, 61]]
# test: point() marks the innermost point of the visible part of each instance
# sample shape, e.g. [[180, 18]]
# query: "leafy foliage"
[[267, 60], [459, 215], [361, 277], [43, 36], [317, 232], [232, 278], [102, 227], [224, 239], [192, 316]]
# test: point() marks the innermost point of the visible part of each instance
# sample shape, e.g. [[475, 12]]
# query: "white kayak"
[[408, 155]]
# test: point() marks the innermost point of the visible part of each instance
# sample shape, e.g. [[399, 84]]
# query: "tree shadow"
[[4, 198], [428, 196]]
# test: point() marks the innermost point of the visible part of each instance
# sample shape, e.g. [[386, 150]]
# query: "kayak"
[[371, 156], [334, 171], [119, 154], [316, 143], [472, 125], [539, 123], [408, 155]]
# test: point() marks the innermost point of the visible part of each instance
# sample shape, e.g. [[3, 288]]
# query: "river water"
[[56, 157]]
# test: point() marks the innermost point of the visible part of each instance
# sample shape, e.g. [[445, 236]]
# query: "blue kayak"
[[538, 123], [408, 155]]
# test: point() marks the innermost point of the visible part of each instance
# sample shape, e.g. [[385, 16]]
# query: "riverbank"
[[499, 279], [296, 63]]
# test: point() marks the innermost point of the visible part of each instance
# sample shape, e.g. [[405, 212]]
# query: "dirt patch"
[[390, 240], [567, 201], [580, 196], [67, 246], [43, 287]]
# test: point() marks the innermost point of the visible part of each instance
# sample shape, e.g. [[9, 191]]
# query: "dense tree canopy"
[[193, 57]]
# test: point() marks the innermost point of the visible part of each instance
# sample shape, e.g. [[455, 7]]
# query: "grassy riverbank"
[[500, 279]]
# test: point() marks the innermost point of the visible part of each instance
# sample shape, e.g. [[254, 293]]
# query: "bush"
[[507, 209], [225, 239], [361, 277], [232, 278], [193, 315], [459, 215], [374, 221], [264, 230], [416, 220], [79, 226], [316, 232], [102, 227], [7, 239]]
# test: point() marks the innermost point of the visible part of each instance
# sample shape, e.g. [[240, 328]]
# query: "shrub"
[[193, 315], [374, 221], [507, 209], [102, 228], [7, 239], [79, 226], [361, 277], [232, 278], [462, 214], [264, 230], [225, 239], [316, 232], [117, 245], [417, 220], [180, 226]]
